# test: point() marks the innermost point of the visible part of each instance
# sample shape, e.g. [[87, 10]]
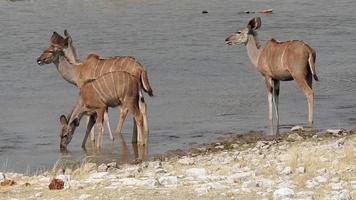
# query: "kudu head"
[[67, 131], [242, 36], [58, 46]]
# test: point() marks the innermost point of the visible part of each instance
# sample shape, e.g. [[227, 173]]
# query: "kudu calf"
[[279, 61], [62, 53]]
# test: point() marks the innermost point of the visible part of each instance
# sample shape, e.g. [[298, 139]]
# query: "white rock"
[[154, 165], [138, 182], [98, 175], [241, 176], [297, 128], [335, 179], [306, 195], [2, 176], [202, 190], [311, 184], [160, 171], [217, 185], [168, 181], [83, 196], [321, 179], [339, 195], [287, 171], [294, 137], [249, 184], [339, 143], [262, 145], [102, 168], [196, 172], [300, 170], [38, 194], [266, 183], [323, 159], [74, 184], [353, 185], [112, 165], [322, 171], [286, 184], [335, 132], [283, 193], [186, 161], [336, 186]]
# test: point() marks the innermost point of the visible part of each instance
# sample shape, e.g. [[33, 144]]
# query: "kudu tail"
[[146, 84], [312, 57]]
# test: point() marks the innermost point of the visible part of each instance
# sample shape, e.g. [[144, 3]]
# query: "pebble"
[[2, 176], [336, 186], [287, 171], [38, 194], [321, 179], [294, 137], [297, 128], [300, 170], [339, 143], [83, 197], [168, 180], [186, 161], [196, 172], [283, 193], [311, 184]]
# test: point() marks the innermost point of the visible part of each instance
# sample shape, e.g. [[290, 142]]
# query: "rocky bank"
[[296, 165]]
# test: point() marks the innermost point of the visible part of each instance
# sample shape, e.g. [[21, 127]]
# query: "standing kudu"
[[279, 61], [109, 90], [93, 67]]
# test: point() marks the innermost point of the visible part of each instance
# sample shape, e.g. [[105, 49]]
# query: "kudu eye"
[[238, 32]]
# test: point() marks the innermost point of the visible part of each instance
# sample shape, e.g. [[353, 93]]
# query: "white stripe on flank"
[[97, 91], [93, 71], [283, 54], [112, 77], [107, 86]]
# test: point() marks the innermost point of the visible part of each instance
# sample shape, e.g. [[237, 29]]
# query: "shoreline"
[[297, 165]]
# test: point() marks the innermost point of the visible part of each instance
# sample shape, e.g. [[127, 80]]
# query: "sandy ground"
[[297, 165]]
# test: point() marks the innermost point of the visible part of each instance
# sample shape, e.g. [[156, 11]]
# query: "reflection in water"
[[204, 88], [92, 154]]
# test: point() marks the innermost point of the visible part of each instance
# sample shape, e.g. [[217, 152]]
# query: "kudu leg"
[[122, 117], [305, 83], [106, 120], [143, 110], [134, 132], [90, 124], [269, 88], [92, 136], [99, 126], [275, 102], [140, 132]]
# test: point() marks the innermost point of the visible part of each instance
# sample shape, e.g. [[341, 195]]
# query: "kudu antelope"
[[109, 90], [279, 61], [59, 52]]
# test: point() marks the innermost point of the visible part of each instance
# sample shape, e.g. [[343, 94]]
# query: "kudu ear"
[[54, 36], [75, 122], [63, 120], [66, 42], [66, 34], [255, 23]]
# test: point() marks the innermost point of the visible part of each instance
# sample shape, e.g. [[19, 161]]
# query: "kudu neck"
[[253, 49], [69, 71]]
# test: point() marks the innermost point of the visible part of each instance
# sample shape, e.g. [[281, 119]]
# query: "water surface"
[[203, 87]]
